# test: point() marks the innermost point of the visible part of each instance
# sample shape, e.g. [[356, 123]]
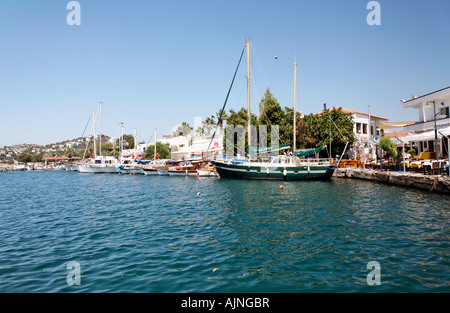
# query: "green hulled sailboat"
[[279, 167]]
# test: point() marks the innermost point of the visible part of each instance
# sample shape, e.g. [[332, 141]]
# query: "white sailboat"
[[100, 164]]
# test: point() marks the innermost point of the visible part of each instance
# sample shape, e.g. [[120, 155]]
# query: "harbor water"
[[136, 233]]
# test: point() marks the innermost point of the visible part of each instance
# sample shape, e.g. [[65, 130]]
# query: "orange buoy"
[[281, 187]]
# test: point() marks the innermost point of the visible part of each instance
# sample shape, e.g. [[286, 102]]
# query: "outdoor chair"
[[435, 168]]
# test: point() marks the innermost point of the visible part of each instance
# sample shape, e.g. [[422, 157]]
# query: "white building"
[[367, 130], [198, 146], [434, 119]]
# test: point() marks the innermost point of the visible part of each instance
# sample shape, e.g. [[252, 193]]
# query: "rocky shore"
[[432, 183]]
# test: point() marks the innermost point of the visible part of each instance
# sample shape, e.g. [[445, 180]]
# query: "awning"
[[429, 135], [396, 124], [253, 150], [308, 152]]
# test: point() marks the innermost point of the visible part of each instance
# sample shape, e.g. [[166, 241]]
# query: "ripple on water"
[[155, 234]]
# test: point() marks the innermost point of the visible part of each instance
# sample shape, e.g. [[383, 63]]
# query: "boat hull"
[[151, 172], [71, 168], [268, 172], [182, 173], [97, 169], [207, 173], [162, 172]]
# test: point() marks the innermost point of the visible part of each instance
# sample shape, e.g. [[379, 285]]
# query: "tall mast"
[[154, 155], [100, 128], [295, 109], [94, 133], [119, 141], [249, 114]]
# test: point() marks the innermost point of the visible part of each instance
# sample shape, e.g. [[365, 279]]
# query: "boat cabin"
[[282, 159]]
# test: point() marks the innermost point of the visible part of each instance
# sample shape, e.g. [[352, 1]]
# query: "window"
[[445, 111], [364, 128], [358, 128]]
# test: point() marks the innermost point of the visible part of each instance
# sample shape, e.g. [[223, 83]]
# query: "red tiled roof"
[[357, 112], [354, 111]]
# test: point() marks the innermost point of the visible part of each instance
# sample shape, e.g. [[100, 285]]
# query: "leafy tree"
[[162, 149], [183, 129], [200, 131], [412, 152], [128, 141], [271, 114], [238, 118], [38, 157], [208, 123], [223, 118], [317, 130], [389, 146], [24, 157]]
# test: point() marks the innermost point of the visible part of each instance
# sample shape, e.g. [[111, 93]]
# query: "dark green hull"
[[270, 172]]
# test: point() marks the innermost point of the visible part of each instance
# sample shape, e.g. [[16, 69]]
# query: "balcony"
[[429, 125]]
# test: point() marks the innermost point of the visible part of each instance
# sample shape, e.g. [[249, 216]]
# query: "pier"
[[431, 183]]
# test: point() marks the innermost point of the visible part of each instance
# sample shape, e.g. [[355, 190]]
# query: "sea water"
[[135, 233]]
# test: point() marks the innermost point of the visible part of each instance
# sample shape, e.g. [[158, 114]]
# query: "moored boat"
[[101, 164], [184, 169], [279, 167], [163, 165], [207, 171]]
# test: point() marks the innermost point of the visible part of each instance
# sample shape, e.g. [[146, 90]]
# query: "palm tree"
[[200, 130], [221, 119], [208, 122]]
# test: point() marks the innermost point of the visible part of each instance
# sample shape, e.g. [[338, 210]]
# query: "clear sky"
[[155, 64]]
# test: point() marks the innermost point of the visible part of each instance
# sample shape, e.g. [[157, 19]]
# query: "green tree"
[[389, 146], [162, 149], [183, 129], [38, 157], [208, 123], [271, 114], [223, 118], [128, 141], [317, 130], [200, 131], [238, 118], [24, 157]]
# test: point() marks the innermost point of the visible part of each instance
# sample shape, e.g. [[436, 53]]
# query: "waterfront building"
[[197, 146], [434, 119], [368, 130]]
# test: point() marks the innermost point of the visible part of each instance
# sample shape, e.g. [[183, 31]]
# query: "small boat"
[[71, 167], [162, 172], [130, 166], [101, 164], [163, 165], [207, 171], [184, 169], [20, 167]]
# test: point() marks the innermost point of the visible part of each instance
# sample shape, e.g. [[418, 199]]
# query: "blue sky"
[[155, 64]]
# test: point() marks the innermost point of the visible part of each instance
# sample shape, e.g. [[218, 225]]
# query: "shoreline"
[[431, 183]]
